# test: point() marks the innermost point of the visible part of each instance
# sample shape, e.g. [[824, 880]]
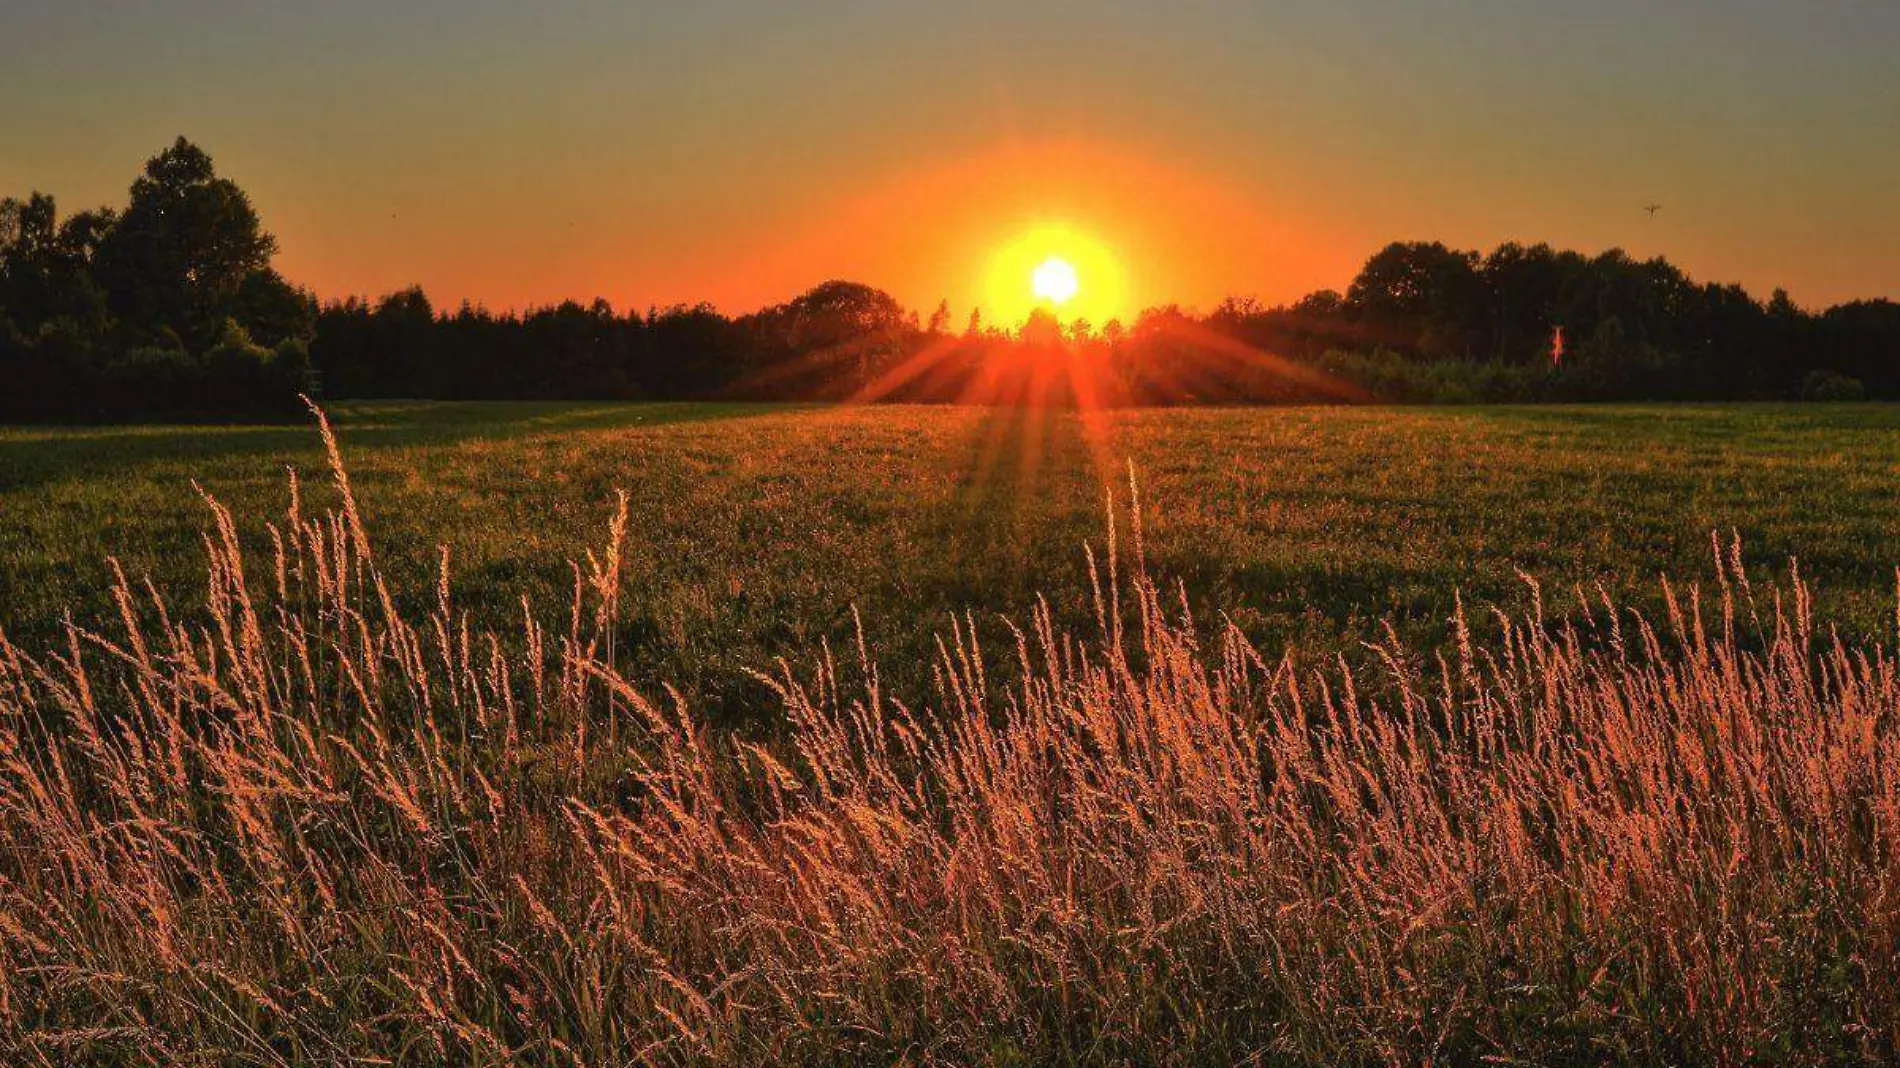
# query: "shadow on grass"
[[34, 456]]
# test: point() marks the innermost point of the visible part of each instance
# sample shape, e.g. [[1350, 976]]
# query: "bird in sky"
[[1652, 209]]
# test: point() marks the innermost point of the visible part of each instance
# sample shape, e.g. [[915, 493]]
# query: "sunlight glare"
[[1054, 280], [1066, 270]]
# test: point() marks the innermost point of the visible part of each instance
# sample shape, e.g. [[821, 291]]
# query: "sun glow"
[[1055, 281], [1058, 268]]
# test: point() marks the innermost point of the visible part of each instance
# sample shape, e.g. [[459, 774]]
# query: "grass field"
[[755, 531], [314, 813]]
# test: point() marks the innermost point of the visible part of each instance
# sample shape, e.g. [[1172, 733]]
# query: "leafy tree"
[[274, 311], [46, 265], [405, 338], [183, 249], [850, 332], [695, 353], [241, 375], [1524, 287], [1862, 339], [1042, 330], [1422, 298]]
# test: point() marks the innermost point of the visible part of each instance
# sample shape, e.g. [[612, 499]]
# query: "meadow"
[[756, 531], [1607, 788]]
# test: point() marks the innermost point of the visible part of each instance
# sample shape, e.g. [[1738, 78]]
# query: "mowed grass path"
[[756, 530]]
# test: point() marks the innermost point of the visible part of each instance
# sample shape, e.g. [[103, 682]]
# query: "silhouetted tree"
[[1524, 287], [143, 313], [695, 353], [181, 252], [46, 265], [1423, 299], [836, 338]]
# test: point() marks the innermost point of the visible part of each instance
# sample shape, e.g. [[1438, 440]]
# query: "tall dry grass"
[[302, 828]]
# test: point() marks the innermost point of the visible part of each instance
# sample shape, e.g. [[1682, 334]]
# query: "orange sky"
[[739, 153], [935, 231]]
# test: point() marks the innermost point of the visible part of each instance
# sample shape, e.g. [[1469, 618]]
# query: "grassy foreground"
[[755, 531], [307, 825]]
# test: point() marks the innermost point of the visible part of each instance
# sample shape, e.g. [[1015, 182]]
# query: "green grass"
[[757, 529], [306, 830]]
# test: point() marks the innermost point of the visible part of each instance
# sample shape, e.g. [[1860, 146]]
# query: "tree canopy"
[[159, 309]]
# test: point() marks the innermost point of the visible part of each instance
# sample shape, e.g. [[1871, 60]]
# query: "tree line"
[[170, 308]]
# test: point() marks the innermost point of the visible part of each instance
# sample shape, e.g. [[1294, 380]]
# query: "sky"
[[513, 154]]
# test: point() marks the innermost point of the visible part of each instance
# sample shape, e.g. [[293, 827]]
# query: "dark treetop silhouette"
[[170, 308]]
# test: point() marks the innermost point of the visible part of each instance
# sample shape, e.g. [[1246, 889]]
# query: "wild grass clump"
[[306, 829]]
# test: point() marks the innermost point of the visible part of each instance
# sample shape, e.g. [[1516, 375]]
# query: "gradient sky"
[[515, 153]]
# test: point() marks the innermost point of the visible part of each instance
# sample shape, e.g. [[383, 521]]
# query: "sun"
[[1054, 280], [1069, 271]]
